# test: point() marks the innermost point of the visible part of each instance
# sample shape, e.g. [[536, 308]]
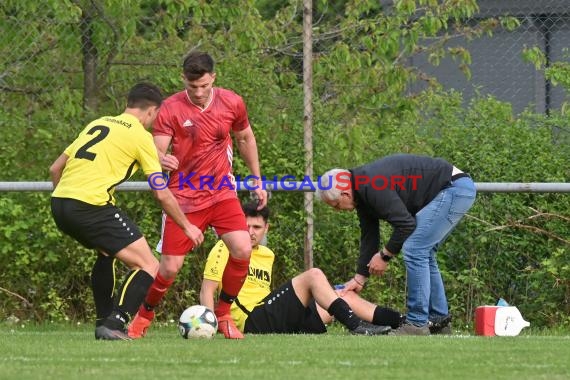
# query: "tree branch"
[[520, 224], [28, 303]]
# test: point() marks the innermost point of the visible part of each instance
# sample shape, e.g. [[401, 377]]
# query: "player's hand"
[[377, 266], [261, 196], [194, 234], [169, 162], [353, 285]]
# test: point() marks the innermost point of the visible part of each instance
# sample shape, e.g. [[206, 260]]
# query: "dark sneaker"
[[105, 333], [365, 328], [409, 329], [440, 325]]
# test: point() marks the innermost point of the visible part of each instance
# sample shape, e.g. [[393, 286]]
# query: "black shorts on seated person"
[[283, 313]]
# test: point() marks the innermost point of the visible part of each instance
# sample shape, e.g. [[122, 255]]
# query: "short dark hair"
[[196, 64], [144, 95], [250, 209]]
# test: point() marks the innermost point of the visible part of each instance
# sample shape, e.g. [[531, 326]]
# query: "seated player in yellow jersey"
[[305, 304]]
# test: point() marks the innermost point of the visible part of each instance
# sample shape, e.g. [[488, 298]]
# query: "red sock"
[[232, 281], [154, 295]]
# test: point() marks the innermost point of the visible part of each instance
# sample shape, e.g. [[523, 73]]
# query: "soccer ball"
[[198, 322]]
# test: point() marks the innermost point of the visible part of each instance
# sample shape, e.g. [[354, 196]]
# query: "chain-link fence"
[[498, 68], [29, 43]]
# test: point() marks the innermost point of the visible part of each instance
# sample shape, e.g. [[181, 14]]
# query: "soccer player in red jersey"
[[196, 124]]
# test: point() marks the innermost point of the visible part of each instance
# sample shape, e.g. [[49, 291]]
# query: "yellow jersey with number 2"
[[106, 153]]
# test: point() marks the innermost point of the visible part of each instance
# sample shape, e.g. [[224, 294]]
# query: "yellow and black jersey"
[[257, 285], [106, 153]]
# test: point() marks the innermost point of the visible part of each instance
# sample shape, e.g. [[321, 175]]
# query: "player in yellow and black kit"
[[302, 305], [106, 153]]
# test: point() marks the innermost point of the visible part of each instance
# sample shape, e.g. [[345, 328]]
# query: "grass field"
[[71, 352]]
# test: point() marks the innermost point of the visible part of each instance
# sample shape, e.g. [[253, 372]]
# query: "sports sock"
[[154, 295], [234, 275], [384, 316], [129, 298], [103, 286], [340, 310]]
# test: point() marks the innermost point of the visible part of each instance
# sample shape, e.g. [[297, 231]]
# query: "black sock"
[[129, 298], [103, 286], [340, 310], [384, 316]]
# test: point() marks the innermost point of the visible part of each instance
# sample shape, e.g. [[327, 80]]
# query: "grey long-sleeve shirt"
[[394, 188]]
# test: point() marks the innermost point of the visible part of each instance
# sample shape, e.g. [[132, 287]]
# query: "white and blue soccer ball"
[[198, 322]]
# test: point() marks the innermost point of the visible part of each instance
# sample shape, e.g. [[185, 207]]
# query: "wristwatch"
[[385, 257]]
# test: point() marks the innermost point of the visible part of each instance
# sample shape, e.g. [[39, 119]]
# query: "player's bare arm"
[[208, 293], [167, 161], [247, 147], [56, 169], [170, 206]]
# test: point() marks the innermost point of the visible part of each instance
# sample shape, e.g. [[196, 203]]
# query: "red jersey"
[[202, 143]]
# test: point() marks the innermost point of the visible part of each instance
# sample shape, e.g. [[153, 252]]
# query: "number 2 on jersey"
[[83, 152]]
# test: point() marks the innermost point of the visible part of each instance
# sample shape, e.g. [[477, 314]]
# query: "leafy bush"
[[510, 245]]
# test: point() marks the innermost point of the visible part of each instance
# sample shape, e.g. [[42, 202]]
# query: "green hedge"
[[510, 245]]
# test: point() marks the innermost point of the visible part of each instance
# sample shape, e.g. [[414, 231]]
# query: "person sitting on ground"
[[304, 304]]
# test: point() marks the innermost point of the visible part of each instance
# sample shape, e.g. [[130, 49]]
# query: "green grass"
[[71, 352]]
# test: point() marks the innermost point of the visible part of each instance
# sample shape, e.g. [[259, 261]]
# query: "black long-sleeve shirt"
[[394, 188]]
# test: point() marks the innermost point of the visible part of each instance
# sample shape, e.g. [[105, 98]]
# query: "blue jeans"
[[426, 294]]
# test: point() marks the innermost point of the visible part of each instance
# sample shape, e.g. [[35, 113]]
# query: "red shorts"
[[225, 216]]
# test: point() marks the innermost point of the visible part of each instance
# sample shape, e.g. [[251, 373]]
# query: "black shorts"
[[105, 228], [283, 313]]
